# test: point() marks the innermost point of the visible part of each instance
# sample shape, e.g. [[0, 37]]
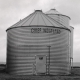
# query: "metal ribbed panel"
[[71, 45], [23, 46], [64, 20], [61, 19], [37, 18]]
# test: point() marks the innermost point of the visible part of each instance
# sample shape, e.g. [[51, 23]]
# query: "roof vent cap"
[[53, 9], [38, 10]]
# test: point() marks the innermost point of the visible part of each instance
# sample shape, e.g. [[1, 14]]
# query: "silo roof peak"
[[38, 10], [53, 9]]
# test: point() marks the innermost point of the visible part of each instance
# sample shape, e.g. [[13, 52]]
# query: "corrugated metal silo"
[[38, 45], [64, 20]]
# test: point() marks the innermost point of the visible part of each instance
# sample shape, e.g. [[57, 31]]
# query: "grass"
[[75, 75]]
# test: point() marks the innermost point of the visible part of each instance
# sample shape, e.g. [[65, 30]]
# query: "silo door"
[[40, 64]]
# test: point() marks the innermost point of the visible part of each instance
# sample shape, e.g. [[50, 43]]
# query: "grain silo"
[[38, 45], [64, 20]]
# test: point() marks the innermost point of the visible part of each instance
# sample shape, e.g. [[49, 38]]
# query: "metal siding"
[[65, 21], [61, 19], [23, 46], [71, 45]]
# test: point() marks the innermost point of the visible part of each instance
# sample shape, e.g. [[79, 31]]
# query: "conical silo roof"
[[52, 11], [37, 18], [55, 12]]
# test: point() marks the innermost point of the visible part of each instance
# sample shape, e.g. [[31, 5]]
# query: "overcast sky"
[[11, 11]]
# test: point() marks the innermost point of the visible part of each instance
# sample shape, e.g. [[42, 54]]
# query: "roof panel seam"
[[27, 19], [43, 20], [38, 20], [16, 23], [49, 20], [57, 21], [33, 18]]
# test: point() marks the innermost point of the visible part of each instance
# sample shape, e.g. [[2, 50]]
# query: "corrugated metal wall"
[[71, 44], [64, 20], [23, 46]]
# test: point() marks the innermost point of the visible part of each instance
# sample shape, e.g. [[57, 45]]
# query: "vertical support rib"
[[49, 61]]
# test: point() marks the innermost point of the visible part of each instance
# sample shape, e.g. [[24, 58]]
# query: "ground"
[[75, 75]]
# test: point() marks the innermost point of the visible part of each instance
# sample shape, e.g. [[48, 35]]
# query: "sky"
[[11, 11]]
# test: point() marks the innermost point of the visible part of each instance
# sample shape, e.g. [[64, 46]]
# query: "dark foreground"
[[75, 75]]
